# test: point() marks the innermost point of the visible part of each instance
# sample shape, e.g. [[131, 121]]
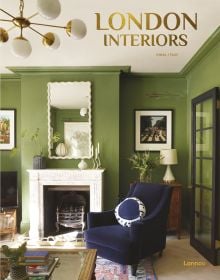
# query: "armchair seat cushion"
[[130, 210], [115, 237]]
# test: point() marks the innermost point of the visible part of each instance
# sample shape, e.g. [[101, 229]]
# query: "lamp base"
[[168, 177]]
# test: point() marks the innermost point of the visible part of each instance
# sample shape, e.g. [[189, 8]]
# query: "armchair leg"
[[161, 253], [134, 269]]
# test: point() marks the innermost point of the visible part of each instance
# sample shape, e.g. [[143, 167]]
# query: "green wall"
[[136, 93], [10, 98], [105, 126], [148, 92]]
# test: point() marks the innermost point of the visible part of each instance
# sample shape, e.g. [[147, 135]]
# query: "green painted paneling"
[[105, 126], [155, 94], [136, 93], [10, 98]]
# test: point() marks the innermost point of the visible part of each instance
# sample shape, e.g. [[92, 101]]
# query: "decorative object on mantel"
[[82, 164], [61, 150], [39, 161], [83, 111], [168, 157], [15, 255], [96, 157], [144, 163]]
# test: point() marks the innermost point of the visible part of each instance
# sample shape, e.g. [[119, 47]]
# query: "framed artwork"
[[7, 129], [76, 137], [153, 130]]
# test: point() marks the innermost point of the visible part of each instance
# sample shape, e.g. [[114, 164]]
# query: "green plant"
[[144, 163], [35, 138], [14, 255], [56, 137]]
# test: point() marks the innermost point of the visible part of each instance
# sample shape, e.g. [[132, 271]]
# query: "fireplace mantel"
[[79, 179]]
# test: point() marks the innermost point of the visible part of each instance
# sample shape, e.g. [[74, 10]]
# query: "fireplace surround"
[[79, 180]]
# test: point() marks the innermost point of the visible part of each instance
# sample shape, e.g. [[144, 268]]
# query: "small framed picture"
[[153, 130], [7, 129], [76, 137]]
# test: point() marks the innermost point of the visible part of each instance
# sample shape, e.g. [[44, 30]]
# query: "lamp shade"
[[168, 157], [49, 9], [76, 28], [21, 47]]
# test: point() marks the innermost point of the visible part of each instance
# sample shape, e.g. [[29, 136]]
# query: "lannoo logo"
[[145, 29]]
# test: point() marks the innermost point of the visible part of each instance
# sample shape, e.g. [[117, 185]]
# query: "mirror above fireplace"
[[69, 120]]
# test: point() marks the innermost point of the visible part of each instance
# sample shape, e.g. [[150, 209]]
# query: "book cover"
[[40, 268], [36, 255]]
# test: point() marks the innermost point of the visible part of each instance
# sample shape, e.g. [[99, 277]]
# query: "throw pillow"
[[129, 210]]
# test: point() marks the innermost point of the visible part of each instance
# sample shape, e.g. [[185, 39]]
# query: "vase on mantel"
[[39, 162], [61, 150], [82, 164]]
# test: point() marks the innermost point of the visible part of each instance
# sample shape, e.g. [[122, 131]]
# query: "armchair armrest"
[[155, 223], [96, 219], [145, 228]]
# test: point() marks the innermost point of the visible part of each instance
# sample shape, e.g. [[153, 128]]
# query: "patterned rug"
[[107, 270]]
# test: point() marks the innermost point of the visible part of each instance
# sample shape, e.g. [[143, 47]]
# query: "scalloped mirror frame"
[[83, 87]]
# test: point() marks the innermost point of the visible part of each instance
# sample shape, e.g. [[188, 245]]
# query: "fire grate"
[[71, 212]]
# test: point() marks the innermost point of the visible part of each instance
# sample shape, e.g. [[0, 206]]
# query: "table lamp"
[[168, 157]]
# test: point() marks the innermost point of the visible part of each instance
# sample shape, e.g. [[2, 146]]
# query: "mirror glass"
[[69, 120]]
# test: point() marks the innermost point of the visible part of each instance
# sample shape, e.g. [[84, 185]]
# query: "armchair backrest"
[[150, 194]]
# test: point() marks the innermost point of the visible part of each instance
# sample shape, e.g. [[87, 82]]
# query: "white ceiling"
[[91, 51]]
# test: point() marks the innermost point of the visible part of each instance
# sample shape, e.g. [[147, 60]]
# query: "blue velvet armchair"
[[128, 245]]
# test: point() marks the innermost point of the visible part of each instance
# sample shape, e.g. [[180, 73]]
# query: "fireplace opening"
[[65, 209]]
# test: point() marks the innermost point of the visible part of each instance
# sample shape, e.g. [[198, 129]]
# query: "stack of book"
[[37, 261]]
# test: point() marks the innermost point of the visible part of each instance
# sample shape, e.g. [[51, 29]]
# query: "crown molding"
[[209, 44], [9, 77], [65, 70]]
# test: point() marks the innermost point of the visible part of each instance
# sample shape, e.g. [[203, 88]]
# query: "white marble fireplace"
[[89, 180]]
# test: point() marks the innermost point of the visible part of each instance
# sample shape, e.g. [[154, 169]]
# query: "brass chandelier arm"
[[16, 26], [37, 32], [8, 20], [48, 25], [7, 13]]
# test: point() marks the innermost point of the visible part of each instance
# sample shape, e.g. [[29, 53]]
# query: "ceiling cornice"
[[209, 44], [212, 41], [9, 77], [63, 69]]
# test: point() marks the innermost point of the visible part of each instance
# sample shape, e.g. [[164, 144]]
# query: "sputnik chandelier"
[[49, 9]]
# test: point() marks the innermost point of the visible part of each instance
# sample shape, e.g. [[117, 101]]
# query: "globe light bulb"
[[76, 28], [49, 9], [21, 47]]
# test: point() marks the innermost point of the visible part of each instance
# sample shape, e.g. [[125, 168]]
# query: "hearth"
[[64, 210], [87, 182]]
